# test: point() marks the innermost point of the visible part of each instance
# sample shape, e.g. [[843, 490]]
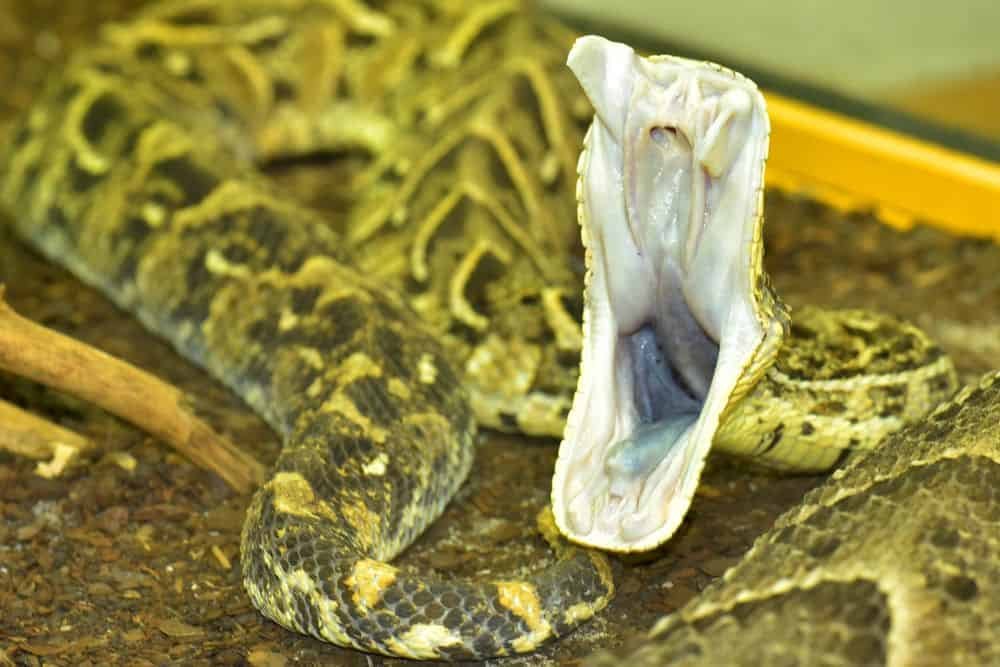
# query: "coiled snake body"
[[136, 169]]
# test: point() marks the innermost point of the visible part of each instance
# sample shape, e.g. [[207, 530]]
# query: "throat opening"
[[669, 377]]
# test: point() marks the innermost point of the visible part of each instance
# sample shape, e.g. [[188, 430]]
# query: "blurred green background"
[[938, 60]]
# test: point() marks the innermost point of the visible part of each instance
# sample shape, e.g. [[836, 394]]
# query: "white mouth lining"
[[600, 418]]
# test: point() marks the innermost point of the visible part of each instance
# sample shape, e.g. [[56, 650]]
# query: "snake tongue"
[[670, 197]]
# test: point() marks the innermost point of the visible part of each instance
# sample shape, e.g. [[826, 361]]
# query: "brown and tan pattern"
[[449, 293], [136, 171], [894, 561]]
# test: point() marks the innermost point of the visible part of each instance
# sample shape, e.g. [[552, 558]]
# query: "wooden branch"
[[40, 354], [35, 438]]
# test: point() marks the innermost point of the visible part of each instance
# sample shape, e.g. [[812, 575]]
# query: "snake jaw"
[[674, 325]]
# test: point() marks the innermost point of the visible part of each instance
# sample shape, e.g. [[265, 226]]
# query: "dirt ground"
[[133, 557]]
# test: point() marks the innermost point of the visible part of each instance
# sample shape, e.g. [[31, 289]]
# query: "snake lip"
[[670, 205]]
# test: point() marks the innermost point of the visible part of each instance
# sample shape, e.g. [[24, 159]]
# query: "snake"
[[893, 561], [449, 295]]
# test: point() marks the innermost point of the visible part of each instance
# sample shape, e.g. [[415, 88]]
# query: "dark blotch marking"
[[485, 644], [386, 622], [134, 231], [948, 413], [268, 43], [867, 336], [808, 428], [896, 391], [193, 17], [109, 68], [903, 346], [391, 596], [962, 588], [450, 599], [939, 383], [57, 218], [824, 547], [197, 274], [801, 332], [405, 609], [283, 90], [346, 318], [423, 598], [131, 141], [842, 458], [225, 108], [269, 230], [236, 253], [104, 112], [194, 75], [304, 298], [945, 537], [372, 397], [864, 650], [776, 436], [508, 420], [390, 346], [65, 94], [29, 182], [891, 410], [195, 182], [866, 615], [82, 180], [21, 137], [149, 51], [831, 408]]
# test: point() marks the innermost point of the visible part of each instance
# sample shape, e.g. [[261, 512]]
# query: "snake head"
[[679, 321]]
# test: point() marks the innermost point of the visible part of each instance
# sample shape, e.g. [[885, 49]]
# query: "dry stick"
[[35, 438], [40, 354]]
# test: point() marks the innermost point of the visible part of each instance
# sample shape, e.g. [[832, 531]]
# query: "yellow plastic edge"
[[849, 164]]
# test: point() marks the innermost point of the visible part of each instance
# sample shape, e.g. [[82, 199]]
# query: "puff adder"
[[893, 561], [136, 170], [447, 294]]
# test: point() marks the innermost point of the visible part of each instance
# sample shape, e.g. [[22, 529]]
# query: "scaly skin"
[[893, 561], [136, 171]]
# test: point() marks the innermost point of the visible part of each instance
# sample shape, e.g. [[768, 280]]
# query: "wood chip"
[[263, 658], [221, 558], [177, 629]]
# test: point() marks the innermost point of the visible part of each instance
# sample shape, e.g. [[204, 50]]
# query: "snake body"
[[893, 561], [131, 173], [448, 299]]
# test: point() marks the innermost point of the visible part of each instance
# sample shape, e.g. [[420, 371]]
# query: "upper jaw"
[[669, 195]]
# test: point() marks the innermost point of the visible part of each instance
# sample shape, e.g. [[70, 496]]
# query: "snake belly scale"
[[136, 170]]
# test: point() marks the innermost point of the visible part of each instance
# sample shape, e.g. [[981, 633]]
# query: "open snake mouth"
[[676, 312]]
